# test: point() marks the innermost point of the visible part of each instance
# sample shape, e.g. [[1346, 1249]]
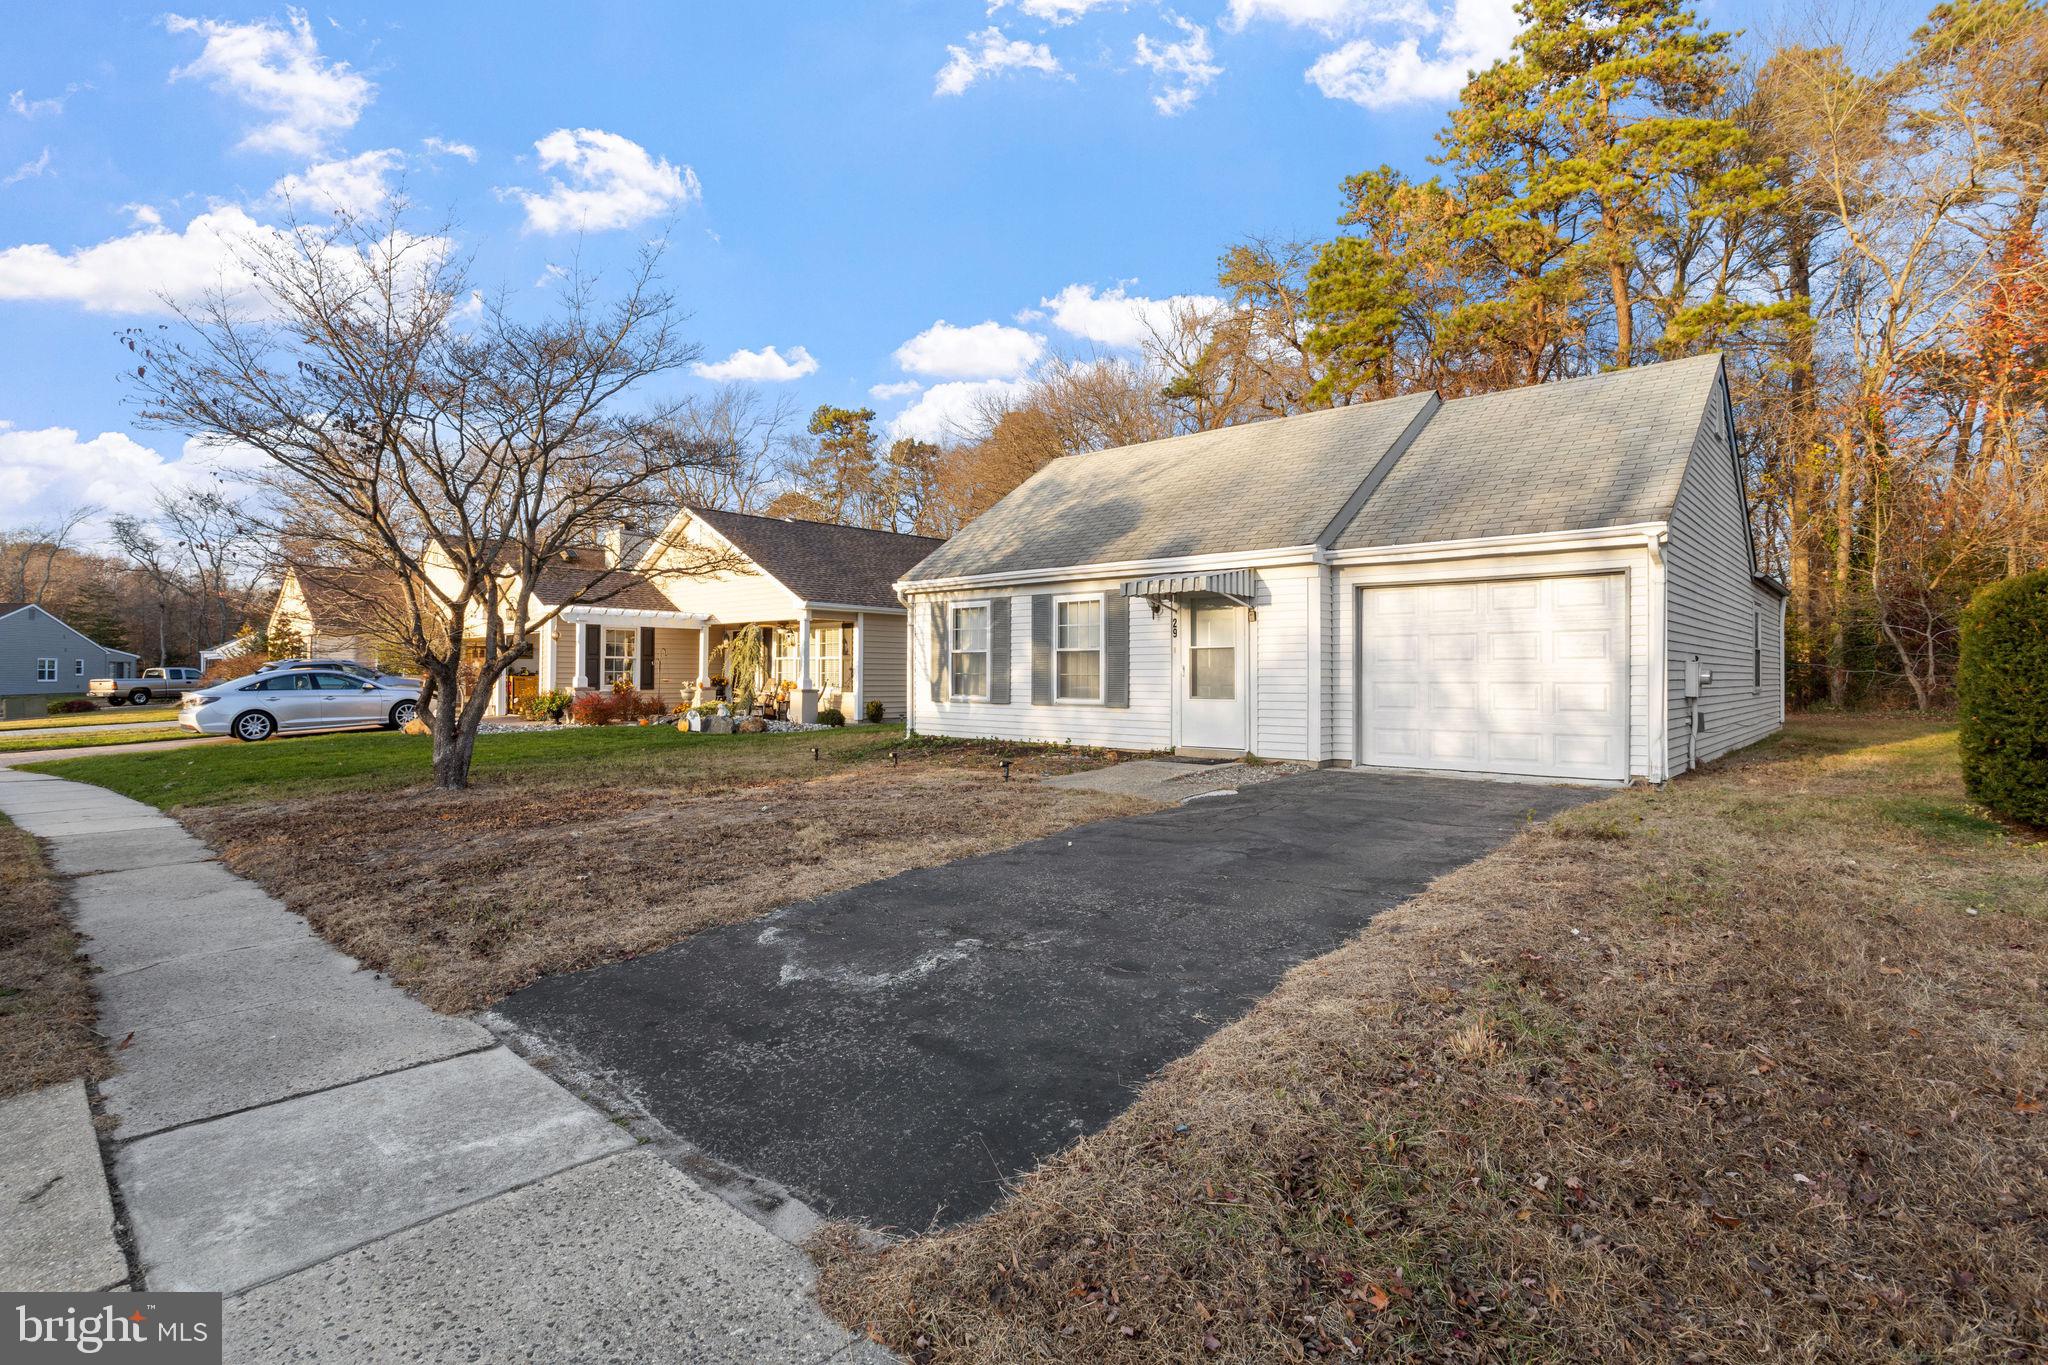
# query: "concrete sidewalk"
[[24, 757], [362, 1176]]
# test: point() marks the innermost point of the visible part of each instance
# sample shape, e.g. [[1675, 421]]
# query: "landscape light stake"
[[892, 758], [814, 753], [1006, 770]]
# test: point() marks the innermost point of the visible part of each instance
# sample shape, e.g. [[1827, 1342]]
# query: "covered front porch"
[[828, 660]]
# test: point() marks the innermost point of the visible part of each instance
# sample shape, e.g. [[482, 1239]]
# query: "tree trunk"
[[1802, 479], [454, 742], [1845, 535]]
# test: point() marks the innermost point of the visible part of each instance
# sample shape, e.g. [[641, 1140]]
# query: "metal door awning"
[[1235, 584]]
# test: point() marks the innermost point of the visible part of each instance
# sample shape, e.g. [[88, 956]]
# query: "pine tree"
[[842, 481]]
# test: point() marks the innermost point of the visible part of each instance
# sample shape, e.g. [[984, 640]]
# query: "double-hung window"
[[969, 649], [1077, 649], [1758, 679], [46, 670], [828, 670], [78, 667], [619, 648]]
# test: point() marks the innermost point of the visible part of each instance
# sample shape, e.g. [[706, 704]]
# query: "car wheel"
[[254, 726], [140, 696], [117, 700], [403, 714]]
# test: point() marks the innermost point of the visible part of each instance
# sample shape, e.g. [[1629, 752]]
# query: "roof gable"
[[1607, 450], [1265, 485]]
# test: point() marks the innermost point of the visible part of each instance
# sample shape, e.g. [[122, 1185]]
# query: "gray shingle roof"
[[823, 562], [1606, 450], [591, 584], [1261, 486]]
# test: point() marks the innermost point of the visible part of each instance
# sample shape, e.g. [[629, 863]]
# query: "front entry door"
[[1212, 683]]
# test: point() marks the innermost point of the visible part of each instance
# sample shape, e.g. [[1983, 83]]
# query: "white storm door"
[[1212, 683], [1526, 677]]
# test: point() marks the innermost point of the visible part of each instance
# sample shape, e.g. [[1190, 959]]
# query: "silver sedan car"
[[303, 699]]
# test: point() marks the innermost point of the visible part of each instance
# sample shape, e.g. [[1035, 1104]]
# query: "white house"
[[1555, 582]]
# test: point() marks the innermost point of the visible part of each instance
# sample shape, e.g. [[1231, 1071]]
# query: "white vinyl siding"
[[1146, 724], [1712, 606], [1280, 668]]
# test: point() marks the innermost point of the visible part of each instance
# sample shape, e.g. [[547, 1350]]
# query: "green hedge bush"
[[2002, 694]]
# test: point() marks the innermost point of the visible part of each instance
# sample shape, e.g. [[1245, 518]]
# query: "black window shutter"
[[940, 662], [593, 655], [1116, 650], [647, 658], [1041, 649], [999, 651]]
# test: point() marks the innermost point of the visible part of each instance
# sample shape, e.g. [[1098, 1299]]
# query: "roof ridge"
[[696, 510], [1275, 418]]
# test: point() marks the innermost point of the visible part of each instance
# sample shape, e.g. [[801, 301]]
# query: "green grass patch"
[[619, 756], [1934, 818], [89, 739], [115, 715]]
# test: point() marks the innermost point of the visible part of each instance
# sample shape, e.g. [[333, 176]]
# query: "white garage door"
[[1523, 676]]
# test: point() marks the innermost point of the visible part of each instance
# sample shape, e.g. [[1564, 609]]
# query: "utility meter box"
[[1696, 677]]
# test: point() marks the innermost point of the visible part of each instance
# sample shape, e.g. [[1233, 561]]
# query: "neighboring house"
[[824, 595], [231, 649], [1515, 584], [40, 654], [333, 612]]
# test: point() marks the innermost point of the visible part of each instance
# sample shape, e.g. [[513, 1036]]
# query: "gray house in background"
[[39, 654]]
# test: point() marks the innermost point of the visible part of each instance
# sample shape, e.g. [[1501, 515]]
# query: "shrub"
[[594, 708], [875, 712], [544, 705], [2002, 694], [831, 715], [71, 706]]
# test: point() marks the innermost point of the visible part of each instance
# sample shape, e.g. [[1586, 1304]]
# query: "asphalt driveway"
[[896, 1052]]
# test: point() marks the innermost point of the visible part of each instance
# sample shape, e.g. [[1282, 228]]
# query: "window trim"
[[988, 671], [1101, 650], [51, 660]]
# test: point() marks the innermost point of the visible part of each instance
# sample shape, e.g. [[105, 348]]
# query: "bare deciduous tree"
[[452, 462]]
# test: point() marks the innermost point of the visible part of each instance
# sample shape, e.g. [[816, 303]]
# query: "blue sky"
[[834, 181]]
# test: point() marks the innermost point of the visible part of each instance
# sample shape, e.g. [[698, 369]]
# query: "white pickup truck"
[[155, 684]]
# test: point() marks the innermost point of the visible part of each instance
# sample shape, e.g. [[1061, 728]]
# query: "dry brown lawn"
[[1750, 1068], [46, 1006], [464, 898]]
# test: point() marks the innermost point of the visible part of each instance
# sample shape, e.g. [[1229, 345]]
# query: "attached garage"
[[1521, 676]]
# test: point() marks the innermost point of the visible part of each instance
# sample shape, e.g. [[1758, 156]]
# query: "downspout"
[[1660, 698]]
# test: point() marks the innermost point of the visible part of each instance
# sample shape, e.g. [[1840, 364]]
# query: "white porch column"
[[860, 668], [501, 695], [806, 688], [582, 675], [703, 663]]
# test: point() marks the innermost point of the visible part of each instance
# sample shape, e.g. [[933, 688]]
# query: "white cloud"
[[129, 274], [764, 366], [987, 350], [953, 411], [901, 388], [1187, 66], [280, 72], [608, 182], [28, 170], [354, 186], [988, 53], [1403, 51], [20, 103], [143, 215], [439, 147], [1057, 12], [1115, 317], [51, 471]]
